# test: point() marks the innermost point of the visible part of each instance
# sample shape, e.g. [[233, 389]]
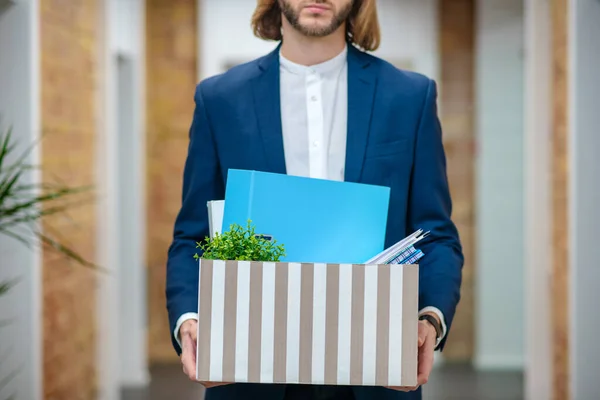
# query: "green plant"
[[242, 244], [23, 204]]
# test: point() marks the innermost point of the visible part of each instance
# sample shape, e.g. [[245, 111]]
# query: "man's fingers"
[[188, 347], [193, 334], [422, 333], [425, 360], [403, 388], [189, 368], [209, 385], [188, 356], [425, 364], [192, 345]]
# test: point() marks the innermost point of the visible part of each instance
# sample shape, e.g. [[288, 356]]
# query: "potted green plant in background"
[[23, 204], [241, 244]]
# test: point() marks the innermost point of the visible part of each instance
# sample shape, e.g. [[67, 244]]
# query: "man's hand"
[[188, 334], [427, 340]]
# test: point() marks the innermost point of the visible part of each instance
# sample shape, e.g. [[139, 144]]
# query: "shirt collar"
[[333, 64]]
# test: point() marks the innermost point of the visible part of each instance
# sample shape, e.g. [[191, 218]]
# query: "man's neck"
[[308, 51]]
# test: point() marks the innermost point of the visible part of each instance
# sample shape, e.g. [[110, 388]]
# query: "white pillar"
[[122, 303], [537, 184], [584, 196]]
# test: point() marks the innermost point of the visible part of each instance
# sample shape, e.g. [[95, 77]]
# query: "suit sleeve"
[[202, 181], [430, 209]]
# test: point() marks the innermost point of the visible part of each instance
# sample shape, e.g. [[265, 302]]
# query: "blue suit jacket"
[[394, 139]]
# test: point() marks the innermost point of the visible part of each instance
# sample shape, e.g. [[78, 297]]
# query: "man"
[[318, 106]]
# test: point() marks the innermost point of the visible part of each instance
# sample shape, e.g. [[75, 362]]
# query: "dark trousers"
[[309, 392]]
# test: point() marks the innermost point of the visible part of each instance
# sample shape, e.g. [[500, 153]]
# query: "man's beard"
[[293, 17]]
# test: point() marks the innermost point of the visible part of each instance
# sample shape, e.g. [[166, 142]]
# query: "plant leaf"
[[17, 237], [5, 286], [52, 243], [5, 146], [68, 252], [241, 243], [35, 201], [20, 203], [38, 214]]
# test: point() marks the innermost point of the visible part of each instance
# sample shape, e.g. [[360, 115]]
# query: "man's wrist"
[[439, 316], [434, 315], [434, 323]]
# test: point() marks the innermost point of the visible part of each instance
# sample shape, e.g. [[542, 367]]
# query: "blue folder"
[[317, 220]]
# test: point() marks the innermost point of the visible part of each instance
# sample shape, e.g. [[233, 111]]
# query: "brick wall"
[[560, 190], [69, 34], [171, 80], [457, 32]]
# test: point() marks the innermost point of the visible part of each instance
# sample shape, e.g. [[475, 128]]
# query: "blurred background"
[[98, 95]]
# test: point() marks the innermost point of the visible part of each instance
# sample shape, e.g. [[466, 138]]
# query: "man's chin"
[[315, 30], [315, 22]]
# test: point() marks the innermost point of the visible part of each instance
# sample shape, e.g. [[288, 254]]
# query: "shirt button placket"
[[315, 124]]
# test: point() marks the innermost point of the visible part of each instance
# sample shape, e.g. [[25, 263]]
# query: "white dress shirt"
[[314, 115]]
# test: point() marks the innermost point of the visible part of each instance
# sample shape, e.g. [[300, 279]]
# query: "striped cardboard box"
[[334, 324]]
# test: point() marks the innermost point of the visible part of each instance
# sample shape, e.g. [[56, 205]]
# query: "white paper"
[[215, 216]]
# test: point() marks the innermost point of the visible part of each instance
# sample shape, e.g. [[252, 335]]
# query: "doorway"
[[500, 136], [122, 300]]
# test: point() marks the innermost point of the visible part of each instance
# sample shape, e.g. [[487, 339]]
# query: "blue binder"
[[317, 220]]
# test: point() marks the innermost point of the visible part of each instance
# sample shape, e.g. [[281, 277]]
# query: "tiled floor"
[[446, 383]]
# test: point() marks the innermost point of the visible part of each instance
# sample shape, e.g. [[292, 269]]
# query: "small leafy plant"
[[241, 244]]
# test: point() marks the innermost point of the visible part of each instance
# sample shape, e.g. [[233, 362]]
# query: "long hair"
[[362, 26]]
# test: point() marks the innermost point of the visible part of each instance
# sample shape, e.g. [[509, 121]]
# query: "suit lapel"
[[268, 111], [361, 90]]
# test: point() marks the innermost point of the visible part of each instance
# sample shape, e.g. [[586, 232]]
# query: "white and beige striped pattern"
[[335, 324]]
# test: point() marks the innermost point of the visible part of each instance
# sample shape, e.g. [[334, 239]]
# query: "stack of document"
[[402, 252], [215, 216], [317, 220]]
